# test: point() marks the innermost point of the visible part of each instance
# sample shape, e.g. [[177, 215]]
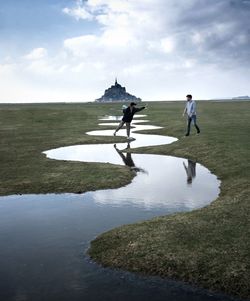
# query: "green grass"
[[209, 247], [28, 130]]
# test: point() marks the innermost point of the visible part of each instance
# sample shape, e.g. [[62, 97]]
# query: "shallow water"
[[44, 237], [161, 181], [106, 153], [43, 243]]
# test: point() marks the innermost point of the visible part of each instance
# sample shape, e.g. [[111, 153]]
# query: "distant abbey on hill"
[[117, 93]]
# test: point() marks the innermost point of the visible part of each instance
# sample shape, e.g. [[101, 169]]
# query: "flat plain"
[[209, 247]]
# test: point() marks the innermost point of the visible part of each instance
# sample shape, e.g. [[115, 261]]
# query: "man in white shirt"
[[190, 110]]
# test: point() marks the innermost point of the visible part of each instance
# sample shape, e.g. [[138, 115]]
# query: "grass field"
[[209, 247], [28, 130]]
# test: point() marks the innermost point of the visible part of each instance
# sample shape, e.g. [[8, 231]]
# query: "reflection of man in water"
[[128, 161], [190, 170]]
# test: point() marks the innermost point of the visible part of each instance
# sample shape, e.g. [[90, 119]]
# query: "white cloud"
[[167, 45], [158, 48], [82, 46], [197, 38], [78, 11], [7, 68], [37, 54], [45, 68]]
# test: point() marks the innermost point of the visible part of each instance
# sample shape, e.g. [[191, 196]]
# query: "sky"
[[72, 50]]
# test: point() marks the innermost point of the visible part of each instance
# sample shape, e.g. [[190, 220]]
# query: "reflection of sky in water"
[[44, 237], [149, 139], [161, 181], [105, 153]]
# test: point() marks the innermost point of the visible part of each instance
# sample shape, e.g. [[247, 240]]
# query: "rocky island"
[[117, 93]]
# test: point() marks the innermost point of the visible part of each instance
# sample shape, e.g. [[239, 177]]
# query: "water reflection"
[[190, 169], [43, 237], [104, 153], [43, 240], [161, 181], [127, 158], [136, 126]]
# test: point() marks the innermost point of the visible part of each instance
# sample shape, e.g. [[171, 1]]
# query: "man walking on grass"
[[127, 118], [190, 110]]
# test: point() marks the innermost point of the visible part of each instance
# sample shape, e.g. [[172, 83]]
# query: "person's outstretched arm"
[[139, 109]]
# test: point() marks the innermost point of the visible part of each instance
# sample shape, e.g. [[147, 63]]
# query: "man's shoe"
[[130, 138]]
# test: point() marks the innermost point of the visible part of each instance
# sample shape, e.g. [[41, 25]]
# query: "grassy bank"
[[209, 247], [28, 130]]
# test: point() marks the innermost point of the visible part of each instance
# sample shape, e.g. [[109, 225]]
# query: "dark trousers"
[[128, 127], [190, 119]]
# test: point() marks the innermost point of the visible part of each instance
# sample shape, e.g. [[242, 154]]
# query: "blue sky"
[[58, 50], [28, 24]]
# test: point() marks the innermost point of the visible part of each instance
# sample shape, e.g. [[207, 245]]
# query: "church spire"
[[116, 81]]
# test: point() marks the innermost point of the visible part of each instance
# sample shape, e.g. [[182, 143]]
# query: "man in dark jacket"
[[127, 118]]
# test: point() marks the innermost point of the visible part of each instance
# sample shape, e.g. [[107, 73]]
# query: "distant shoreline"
[[117, 102]]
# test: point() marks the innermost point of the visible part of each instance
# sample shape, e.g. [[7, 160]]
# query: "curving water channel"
[[174, 184], [44, 237]]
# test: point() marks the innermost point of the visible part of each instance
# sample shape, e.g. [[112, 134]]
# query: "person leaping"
[[127, 118]]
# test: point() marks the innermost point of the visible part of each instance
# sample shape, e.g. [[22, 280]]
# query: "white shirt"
[[191, 108]]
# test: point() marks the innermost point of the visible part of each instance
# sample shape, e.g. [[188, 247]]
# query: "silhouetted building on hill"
[[117, 93]]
